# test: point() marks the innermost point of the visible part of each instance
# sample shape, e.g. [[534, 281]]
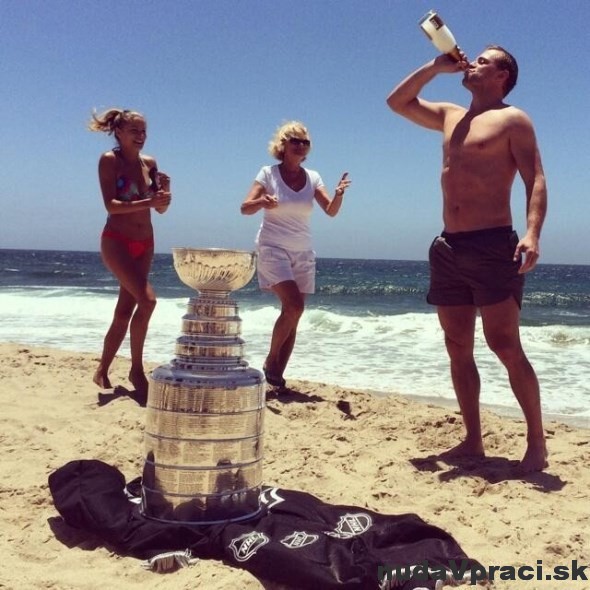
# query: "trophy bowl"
[[214, 272]]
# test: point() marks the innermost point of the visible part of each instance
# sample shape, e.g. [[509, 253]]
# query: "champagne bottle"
[[440, 35]]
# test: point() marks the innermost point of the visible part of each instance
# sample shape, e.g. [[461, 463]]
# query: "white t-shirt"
[[287, 226]]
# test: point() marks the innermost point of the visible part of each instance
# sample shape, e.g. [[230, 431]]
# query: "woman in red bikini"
[[131, 186]]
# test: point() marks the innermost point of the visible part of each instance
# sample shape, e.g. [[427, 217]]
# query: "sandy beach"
[[375, 452]]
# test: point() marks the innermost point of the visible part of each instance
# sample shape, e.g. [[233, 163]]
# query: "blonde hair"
[[276, 146], [111, 120]]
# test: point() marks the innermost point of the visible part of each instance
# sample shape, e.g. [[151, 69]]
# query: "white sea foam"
[[396, 353]]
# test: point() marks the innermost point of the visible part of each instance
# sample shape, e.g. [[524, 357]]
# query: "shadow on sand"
[[140, 397], [491, 469], [286, 395]]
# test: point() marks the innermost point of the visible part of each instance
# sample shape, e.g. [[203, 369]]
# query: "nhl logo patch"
[[246, 545], [352, 525], [299, 539]]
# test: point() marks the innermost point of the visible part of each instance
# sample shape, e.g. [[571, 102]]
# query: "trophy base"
[[203, 509]]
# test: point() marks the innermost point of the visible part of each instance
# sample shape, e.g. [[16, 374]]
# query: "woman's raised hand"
[[269, 201]]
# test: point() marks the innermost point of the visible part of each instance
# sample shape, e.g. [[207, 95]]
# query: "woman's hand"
[[163, 181], [257, 199], [161, 200], [268, 201], [163, 184], [342, 185], [332, 206]]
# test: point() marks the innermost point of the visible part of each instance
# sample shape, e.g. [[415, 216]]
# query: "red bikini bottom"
[[136, 248]]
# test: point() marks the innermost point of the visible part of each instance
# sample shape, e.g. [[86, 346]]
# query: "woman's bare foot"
[[102, 379], [138, 380]]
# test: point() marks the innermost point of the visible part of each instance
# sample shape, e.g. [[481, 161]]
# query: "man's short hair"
[[506, 61]]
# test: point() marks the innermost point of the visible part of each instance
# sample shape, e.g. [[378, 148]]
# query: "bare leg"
[[285, 351], [458, 323], [285, 328], [114, 337], [132, 275], [501, 329], [139, 327]]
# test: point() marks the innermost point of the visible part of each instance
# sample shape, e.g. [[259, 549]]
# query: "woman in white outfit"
[[286, 260]]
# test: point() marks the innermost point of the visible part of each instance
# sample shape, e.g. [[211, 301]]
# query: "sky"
[[215, 78]]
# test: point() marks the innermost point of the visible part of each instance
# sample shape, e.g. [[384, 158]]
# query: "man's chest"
[[485, 136]]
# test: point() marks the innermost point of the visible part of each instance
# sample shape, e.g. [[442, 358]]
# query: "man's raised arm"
[[404, 98]]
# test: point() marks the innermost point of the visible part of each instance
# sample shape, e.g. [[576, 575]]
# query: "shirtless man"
[[476, 263]]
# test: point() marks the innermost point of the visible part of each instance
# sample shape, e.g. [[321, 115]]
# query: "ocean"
[[367, 327]]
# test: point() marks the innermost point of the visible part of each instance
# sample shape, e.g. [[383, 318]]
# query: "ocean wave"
[[562, 338], [402, 353], [542, 299], [368, 290], [56, 272]]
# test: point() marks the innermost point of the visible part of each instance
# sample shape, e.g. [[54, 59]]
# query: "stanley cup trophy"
[[205, 409]]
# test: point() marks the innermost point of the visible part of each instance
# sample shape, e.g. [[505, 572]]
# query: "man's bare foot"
[[466, 448], [535, 459], [102, 379], [272, 378], [138, 380]]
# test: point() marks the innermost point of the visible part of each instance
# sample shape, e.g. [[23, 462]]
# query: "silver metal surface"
[[212, 307], [194, 324], [208, 453], [197, 427], [203, 440], [214, 271], [224, 477], [201, 508], [195, 346], [180, 390]]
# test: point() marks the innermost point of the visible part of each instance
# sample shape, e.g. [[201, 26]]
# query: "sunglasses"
[[297, 141]]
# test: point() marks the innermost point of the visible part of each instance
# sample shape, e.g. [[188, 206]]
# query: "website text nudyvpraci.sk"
[[423, 571]]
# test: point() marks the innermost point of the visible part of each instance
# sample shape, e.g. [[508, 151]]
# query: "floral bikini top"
[[128, 190]]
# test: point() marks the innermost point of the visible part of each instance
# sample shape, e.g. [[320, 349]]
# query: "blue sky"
[[216, 77]]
